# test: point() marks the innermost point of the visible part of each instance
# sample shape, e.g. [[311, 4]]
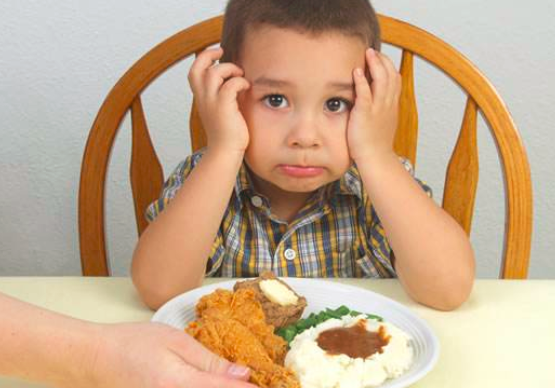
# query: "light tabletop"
[[503, 336]]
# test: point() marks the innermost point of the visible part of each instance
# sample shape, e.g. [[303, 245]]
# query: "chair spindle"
[[145, 169], [406, 136], [461, 178]]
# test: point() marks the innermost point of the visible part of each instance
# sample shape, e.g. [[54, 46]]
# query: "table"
[[503, 336]]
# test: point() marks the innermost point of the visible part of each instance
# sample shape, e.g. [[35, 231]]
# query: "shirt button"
[[256, 201], [290, 254]]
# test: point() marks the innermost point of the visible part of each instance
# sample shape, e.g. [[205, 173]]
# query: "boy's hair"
[[350, 17]]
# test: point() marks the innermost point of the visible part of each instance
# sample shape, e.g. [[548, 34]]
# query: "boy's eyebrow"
[[342, 85], [265, 81]]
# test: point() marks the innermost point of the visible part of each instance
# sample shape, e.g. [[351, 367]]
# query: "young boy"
[[299, 175]]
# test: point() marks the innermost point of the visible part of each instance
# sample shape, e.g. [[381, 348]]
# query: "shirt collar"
[[243, 181]]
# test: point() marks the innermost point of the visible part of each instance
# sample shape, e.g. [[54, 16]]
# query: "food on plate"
[[333, 348], [350, 351], [288, 333], [278, 292], [233, 325], [281, 304]]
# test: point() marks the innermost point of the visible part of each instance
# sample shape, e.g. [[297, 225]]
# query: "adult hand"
[[151, 355], [373, 119], [215, 87]]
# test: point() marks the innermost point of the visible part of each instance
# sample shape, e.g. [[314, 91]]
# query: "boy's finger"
[[362, 88], [230, 90], [217, 75], [379, 76], [203, 61], [393, 78]]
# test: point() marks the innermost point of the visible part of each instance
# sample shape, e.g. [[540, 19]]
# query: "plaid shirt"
[[336, 234]]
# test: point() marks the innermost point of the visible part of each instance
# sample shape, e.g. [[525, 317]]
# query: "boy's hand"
[[215, 87], [373, 119]]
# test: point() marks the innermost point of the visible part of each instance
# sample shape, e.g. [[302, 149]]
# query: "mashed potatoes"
[[317, 368]]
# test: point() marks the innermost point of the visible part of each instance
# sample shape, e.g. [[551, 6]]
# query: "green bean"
[[321, 317], [342, 310], [280, 332], [290, 333], [376, 317], [302, 325], [332, 314], [310, 322]]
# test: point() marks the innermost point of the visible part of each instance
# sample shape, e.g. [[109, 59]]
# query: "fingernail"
[[358, 71], [238, 370], [371, 51]]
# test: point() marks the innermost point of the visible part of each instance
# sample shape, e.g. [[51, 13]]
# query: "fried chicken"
[[233, 325]]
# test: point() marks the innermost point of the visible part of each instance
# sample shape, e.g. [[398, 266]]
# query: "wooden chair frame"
[[462, 172]]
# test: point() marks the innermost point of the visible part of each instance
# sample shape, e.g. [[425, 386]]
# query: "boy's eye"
[[338, 105], [275, 101]]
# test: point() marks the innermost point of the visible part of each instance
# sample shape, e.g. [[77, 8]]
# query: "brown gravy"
[[354, 341]]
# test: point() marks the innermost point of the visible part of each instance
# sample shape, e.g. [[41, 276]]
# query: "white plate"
[[319, 295]]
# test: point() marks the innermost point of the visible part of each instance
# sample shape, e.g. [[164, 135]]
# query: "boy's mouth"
[[300, 171]]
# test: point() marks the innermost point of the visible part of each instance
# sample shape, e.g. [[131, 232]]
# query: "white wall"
[[58, 60]]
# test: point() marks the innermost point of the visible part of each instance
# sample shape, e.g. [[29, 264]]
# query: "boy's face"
[[298, 106]]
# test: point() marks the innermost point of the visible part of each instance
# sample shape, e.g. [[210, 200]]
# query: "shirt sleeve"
[[408, 166], [171, 187], [380, 249], [216, 257]]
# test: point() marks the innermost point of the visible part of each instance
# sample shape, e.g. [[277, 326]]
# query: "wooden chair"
[[462, 170]]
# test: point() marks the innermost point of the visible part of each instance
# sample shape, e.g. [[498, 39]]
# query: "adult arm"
[[43, 346]]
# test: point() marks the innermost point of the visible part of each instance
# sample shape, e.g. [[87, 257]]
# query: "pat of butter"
[[278, 293]]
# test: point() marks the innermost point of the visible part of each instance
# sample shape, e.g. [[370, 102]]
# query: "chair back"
[[461, 173]]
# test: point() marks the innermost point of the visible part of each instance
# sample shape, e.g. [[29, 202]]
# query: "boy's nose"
[[304, 134]]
